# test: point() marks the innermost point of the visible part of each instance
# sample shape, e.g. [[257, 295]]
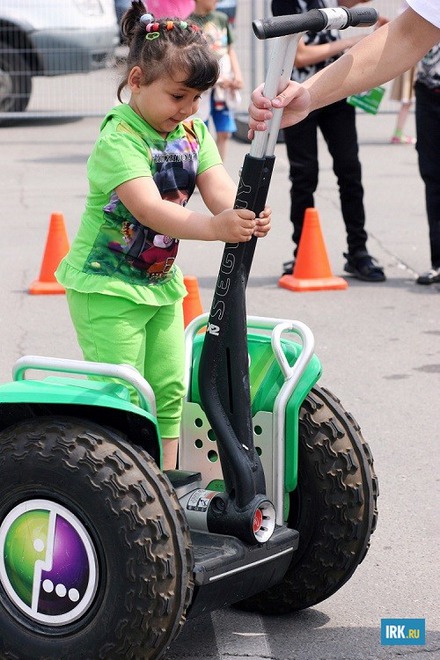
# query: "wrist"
[[214, 227]]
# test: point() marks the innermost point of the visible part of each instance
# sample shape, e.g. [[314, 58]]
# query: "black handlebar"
[[315, 20]]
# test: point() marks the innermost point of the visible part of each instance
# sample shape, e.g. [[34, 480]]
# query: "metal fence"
[[93, 93]]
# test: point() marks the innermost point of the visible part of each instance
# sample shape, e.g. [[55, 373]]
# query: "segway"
[[103, 555]]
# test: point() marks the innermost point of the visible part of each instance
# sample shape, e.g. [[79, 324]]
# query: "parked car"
[[51, 38], [121, 7]]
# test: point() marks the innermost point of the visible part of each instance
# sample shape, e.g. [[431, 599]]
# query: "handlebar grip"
[[280, 26], [362, 16], [315, 20]]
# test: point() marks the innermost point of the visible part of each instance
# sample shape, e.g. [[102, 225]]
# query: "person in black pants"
[[427, 89], [337, 123]]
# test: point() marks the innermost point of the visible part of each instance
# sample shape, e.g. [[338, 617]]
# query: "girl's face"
[[163, 103]]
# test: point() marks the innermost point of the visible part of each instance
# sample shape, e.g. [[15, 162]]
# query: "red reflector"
[[258, 519]]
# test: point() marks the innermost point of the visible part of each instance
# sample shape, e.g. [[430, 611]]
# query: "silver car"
[[50, 38]]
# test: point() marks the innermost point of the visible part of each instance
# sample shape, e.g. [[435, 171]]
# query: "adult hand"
[[295, 100]]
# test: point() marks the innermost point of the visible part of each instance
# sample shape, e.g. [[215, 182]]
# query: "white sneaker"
[[431, 277]]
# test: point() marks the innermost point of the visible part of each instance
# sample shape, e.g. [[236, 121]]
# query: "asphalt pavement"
[[379, 345]]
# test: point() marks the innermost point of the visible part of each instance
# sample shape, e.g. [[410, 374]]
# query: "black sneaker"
[[288, 267], [365, 267], [431, 277]]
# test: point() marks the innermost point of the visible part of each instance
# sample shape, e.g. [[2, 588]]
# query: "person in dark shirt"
[[337, 123], [427, 89]]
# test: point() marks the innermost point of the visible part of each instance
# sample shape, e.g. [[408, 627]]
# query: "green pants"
[[119, 331]]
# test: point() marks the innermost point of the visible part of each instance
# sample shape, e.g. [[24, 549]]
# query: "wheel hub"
[[48, 564]]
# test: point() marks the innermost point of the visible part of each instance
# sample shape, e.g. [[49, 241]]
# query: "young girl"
[[123, 289]]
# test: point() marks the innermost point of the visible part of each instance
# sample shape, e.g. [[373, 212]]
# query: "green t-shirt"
[[113, 253]]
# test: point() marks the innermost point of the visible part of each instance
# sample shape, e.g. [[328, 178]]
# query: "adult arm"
[[379, 57], [309, 54]]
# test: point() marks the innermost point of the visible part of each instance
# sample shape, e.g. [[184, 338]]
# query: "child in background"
[[175, 8], [337, 124], [123, 289], [402, 90], [219, 103]]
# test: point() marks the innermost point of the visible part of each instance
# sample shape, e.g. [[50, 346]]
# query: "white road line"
[[249, 636]]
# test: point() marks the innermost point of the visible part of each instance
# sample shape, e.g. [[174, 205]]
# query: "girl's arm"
[[217, 189], [141, 197]]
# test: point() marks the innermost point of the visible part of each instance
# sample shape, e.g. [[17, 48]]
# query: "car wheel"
[[15, 80], [95, 553], [334, 507]]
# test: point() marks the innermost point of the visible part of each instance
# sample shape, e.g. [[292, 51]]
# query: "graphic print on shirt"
[[216, 32], [428, 72], [134, 250], [282, 7]]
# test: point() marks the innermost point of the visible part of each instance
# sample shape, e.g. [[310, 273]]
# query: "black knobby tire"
[[15, 80], [136, 526], [334, 507]]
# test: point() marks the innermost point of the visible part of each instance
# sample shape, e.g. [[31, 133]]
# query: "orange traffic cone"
[[57, 246], [192, 305], [312, 270]]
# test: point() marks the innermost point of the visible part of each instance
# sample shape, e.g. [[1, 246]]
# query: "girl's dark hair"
[[182, 48]]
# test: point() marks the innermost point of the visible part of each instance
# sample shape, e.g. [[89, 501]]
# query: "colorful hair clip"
[[146, 18], [152, 27]]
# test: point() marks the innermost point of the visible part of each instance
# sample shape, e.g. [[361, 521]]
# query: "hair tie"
[[146, 18], [153, 27]]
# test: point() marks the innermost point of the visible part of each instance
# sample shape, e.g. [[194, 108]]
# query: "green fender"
[[81, 398]]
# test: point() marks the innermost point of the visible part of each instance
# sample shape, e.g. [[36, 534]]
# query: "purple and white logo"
[[48, 565]]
